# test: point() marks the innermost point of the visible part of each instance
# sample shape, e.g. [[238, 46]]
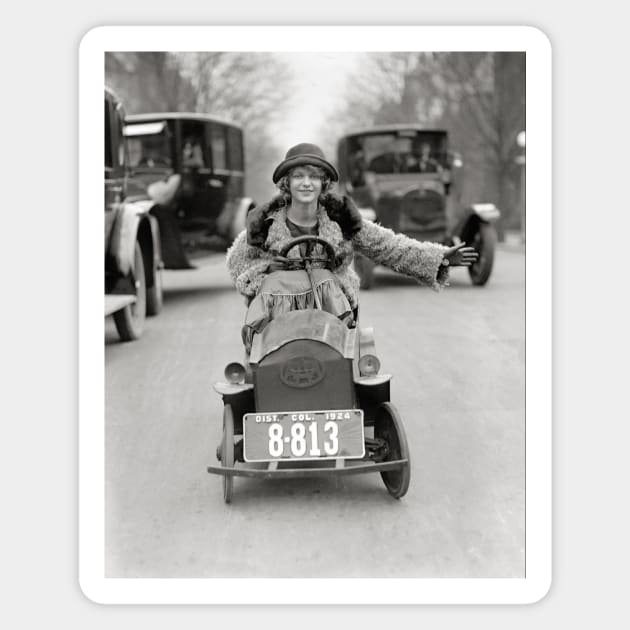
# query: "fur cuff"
[[441, 279]]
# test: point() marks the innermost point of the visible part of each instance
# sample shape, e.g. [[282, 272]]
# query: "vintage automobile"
[[402, 176], [133, 264], [193, 165], [309, 399]]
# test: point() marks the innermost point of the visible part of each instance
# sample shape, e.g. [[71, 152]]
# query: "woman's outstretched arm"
[[418, 259]]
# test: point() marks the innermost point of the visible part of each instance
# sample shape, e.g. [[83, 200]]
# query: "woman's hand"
[[280, 263], [460, 255]]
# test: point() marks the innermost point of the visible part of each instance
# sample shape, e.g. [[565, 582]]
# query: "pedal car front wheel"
[[389, 427], [227, 451]]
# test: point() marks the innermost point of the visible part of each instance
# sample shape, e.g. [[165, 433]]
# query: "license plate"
[[303, 435]]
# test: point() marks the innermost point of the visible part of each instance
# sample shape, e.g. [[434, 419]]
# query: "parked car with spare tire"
[[133, 261]]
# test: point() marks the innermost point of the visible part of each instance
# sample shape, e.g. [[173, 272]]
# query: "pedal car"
[[310, 399]]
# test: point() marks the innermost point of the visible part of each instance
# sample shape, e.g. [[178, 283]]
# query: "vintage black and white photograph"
[[315, 327]]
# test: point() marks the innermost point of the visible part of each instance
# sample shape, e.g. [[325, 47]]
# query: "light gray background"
[[39, 319]]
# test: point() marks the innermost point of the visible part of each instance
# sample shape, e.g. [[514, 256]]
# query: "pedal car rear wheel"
[[389, 427], [227, 451]]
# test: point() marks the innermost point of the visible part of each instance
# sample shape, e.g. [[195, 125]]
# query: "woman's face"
[[305, 184]]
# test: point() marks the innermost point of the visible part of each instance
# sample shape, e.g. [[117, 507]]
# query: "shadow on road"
[[182, 294], [174, 297], [366, 490], [386, 280]]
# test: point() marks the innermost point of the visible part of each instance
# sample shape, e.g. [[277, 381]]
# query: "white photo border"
[[537, 581]]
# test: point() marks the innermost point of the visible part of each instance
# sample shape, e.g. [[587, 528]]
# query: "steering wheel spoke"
[[310, 241]]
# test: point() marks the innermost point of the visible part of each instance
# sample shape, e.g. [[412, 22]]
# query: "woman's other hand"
[[460, 255], [280, 263]]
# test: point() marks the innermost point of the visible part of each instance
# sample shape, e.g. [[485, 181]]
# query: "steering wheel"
[[311, 242]]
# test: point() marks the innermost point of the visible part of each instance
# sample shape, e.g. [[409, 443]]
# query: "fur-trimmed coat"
[[340, 224]]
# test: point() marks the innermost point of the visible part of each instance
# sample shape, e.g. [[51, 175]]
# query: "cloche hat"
[[301, 154]]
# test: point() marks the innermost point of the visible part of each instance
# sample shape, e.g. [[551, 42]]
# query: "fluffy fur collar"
[[269, 221]]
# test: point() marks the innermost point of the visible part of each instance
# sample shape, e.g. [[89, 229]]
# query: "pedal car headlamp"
[[234, 373], [369, 365]]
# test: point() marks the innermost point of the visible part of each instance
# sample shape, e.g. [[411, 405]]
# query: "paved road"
[[458, 360]]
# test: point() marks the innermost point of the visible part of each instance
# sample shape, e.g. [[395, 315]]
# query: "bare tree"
[[478, 97], [149, 81], [377, 84], [251, 89], [485, 107]]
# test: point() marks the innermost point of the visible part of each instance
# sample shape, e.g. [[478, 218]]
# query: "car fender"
[[240, 216], [231, 221], [487, 212], [155, 238], [125, 232], [475, 214], [163, 191]]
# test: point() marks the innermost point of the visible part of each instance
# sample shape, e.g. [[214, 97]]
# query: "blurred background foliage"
[[479, 97], [239, 87]]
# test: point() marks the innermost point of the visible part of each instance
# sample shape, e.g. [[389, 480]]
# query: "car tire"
[[484, 243], [389, 427], [130, 320], [365, 270], [227, 451], [155, 296]]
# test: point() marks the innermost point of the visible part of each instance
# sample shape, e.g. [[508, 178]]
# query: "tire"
[[227, 451], [155, 298], [389, 427], [130, 320], [484, 243], [365, 270]]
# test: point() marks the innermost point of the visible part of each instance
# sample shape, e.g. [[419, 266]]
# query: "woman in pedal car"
[[306, 205]]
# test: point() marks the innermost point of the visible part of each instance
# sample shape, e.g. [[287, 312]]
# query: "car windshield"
[[399, 152], [148, 149]]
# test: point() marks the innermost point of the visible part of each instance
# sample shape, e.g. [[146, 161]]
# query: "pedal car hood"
[[318, 326]]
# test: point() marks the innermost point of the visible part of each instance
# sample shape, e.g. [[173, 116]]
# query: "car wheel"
[[365, 270], [227, 451], [484, 243], [130, 320], [155, 297], [389, 427]]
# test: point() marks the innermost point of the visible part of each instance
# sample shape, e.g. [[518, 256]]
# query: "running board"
[[114, 303]]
